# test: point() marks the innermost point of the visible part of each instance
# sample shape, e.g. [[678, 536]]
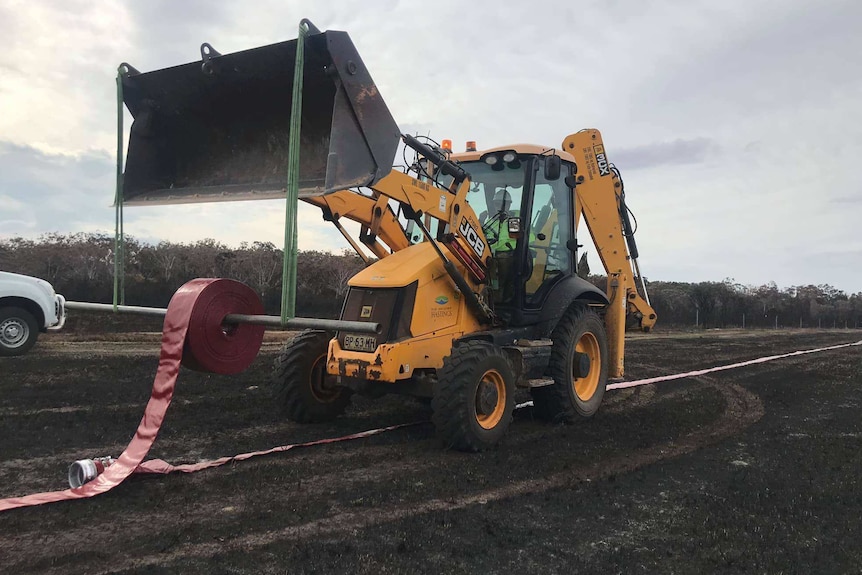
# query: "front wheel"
[[304, 391], [18, 331], [473, 397], [578, 365]]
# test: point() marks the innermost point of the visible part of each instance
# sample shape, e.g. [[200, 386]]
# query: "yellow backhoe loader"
[[474, 279]]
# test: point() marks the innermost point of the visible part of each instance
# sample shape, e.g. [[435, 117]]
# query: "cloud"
[[42, 192], [46, 192], [731, 122], [60, 59], [666, 153]]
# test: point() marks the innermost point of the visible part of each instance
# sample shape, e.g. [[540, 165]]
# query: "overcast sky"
[[737, 125]]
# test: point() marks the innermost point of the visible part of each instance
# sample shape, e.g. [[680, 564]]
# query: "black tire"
[[18, 331], [474, 397], [570, 397], [304, 391]]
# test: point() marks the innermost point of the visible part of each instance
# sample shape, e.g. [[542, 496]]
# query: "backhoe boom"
[[599, 197]]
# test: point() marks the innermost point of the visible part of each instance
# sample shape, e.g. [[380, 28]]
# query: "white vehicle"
[[28, 306]]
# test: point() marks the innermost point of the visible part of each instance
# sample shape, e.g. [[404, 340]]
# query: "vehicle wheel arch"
[[26, 304], [571, 291]]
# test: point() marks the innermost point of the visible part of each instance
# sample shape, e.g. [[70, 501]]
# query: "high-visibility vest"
[[500, 232]]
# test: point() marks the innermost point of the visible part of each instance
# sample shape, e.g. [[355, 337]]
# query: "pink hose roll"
[[192, 335]]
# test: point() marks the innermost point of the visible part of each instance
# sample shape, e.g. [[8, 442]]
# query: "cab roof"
[[531, 149]]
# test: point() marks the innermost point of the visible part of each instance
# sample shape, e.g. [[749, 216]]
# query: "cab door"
[[550, 227]]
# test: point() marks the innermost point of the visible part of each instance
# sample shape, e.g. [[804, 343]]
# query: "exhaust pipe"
[[85, 470]]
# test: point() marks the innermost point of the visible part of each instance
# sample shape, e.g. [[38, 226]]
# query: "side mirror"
[[552, 168]]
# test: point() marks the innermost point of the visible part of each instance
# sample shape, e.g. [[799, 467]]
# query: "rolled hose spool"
[[192, 335]]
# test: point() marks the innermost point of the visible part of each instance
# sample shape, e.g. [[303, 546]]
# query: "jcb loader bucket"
[[218, 129]]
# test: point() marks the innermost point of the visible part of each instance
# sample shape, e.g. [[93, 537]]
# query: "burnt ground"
[[752, 470]]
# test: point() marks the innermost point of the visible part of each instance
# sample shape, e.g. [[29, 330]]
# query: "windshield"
[[495, 195]]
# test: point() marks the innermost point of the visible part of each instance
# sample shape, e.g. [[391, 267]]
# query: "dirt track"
[[751, 470]]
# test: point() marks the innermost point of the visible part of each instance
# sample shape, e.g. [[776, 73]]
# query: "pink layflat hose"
[[193, 336]]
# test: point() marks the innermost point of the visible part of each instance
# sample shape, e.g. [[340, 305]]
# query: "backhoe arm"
[[599, 195]]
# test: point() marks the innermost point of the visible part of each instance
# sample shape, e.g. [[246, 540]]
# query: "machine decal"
[[441, 300], [365, 312], [468, 233], [590, 163], [441, 312], [604, 168], [425, 187]]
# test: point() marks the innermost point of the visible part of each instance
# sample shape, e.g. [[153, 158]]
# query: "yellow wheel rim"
[[316, 378], [490, 399], [585, 387]]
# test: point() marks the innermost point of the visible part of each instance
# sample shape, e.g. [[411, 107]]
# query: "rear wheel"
[[18, 331], [579, 367], [305, 392], [473, 397]]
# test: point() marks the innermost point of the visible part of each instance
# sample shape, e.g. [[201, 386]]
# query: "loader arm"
[[599, 197], [420, 200], [379, 222], [459, 228]]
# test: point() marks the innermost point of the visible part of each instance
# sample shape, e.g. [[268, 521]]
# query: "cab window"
[[550, 229]]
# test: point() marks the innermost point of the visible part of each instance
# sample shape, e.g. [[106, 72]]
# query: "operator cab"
[[528, 233]]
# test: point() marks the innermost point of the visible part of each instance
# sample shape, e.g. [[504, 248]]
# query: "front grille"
[[392, 308]]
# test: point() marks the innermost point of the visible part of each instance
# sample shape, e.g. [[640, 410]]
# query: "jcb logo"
[[601, 159], [469, 234]]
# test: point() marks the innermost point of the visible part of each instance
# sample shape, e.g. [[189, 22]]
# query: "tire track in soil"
[[616, 402], [619, 401], [90, 408], [333, 524], [191, 452], [742, 408], [639, 397]]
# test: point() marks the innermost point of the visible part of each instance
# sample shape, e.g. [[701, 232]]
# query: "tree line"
[[730, 304], [81, 266]]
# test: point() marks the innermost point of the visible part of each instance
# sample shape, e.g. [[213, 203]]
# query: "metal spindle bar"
[[265, 320], [89, 306]]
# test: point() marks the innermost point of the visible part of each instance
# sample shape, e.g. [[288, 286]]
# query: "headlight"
[[509, 156], [491, 159]]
